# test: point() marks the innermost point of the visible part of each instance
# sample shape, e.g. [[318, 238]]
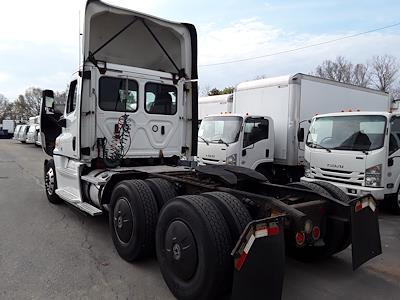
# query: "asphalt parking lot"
[[55, 252]]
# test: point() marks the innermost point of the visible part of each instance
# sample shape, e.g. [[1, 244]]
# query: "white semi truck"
[[358, 152], [271, 118], [218, 104], [124, 146]]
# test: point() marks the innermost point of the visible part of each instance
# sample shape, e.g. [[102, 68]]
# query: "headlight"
[[231, 159], [307, 170], [373, 176]]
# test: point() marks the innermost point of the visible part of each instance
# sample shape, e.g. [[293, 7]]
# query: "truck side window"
[[72, 95], [394, 140], [160, 99], [118, 94], [255, 129]]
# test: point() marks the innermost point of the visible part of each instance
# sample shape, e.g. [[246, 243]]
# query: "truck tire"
[[334, 191], [395, 203], [234, 211], [336, 238], [132, 219], [310, 186], [193, 247], [162, 189], [50, 182]]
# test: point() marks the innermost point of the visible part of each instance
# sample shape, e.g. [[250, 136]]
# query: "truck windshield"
[[220, 129], [353, 132]]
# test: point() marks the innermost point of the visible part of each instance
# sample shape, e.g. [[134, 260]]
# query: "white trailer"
[[9, 125], [358, 152], [290, 101], [219, 104]]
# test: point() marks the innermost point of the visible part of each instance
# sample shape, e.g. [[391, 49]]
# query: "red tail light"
[[316, 233], [300, 238]]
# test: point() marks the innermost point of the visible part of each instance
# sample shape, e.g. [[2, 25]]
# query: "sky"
[[39, 40]]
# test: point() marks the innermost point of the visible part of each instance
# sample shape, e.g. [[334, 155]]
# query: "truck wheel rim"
[[49, 181], [123, 220], [181, 250], [398, 199]]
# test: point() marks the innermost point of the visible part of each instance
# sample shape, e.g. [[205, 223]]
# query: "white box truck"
[[358, 152], [215, 105], [290, 102]]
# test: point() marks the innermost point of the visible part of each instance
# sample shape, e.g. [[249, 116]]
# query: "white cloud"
[[253, 38], [4, 76]]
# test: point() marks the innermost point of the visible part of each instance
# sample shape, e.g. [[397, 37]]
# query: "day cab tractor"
[[124, 146]]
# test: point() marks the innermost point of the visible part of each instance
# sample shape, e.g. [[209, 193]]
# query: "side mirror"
[[48, 101], [244, 152], [300, 134], [390, 162]]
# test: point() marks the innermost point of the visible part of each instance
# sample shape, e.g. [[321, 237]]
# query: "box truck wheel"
[[336, 235], [132, 219], [50, 182], [395, 201], [162, 189], [234, 211], [193, 247]]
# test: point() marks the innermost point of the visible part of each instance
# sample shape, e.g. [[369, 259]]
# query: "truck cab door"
[[394, 152], [50, 124], [68, 141], [257, 142]]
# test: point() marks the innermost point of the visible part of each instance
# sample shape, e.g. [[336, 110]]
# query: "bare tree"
[[361, 75], [33, 97], [384, 71], [338, 70], [3, 106], [205, 90]]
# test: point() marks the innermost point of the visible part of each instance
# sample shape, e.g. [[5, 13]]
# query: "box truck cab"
[[357, 151], [219, 104], [236, 139]]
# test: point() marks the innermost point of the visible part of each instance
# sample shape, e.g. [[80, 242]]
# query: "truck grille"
[[210, 161], [341, 176]]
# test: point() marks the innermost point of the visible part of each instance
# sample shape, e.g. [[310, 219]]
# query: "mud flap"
[[366, 240], [259, 261]]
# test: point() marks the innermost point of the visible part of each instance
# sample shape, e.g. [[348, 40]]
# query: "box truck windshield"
[[220, 129], [353, 133]]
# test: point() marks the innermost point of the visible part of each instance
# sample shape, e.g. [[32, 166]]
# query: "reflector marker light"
[[263, 231], [365, 202]]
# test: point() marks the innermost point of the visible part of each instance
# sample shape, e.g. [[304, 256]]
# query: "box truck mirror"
[[244, 152], [300, 134]]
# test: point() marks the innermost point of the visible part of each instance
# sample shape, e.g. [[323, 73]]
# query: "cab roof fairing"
[[136, 46]]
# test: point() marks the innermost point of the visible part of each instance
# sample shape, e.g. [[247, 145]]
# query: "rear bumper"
[[354, 191]]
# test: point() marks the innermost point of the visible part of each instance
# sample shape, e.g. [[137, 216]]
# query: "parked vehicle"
[[117, 150], [16, 132], [288, 102], [358, 152], [9, 126], [38, 141], [22, 133], [219, 104], [31, 136], [3, 134]]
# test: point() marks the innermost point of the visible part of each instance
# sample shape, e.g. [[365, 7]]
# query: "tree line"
[[379, 72], [26, 105]]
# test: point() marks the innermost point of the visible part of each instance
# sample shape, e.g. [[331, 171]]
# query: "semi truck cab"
[[236, 139], [356, 151]]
